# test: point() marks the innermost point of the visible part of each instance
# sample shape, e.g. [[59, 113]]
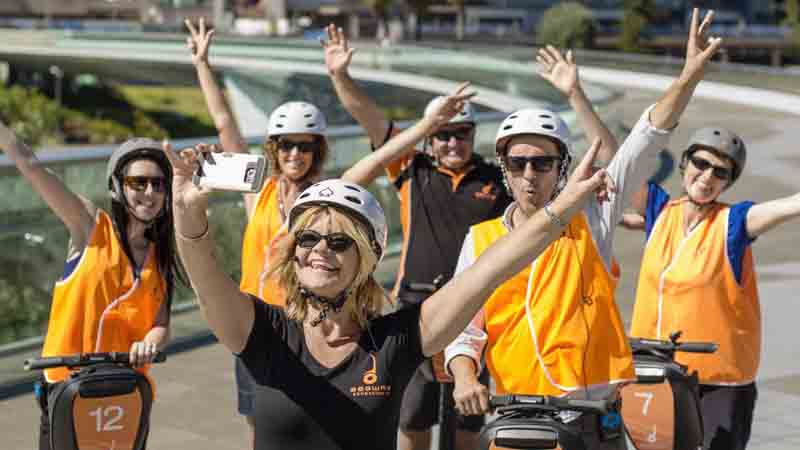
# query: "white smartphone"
[[241, 172]]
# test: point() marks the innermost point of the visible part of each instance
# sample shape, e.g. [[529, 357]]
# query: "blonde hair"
[[365, 298], [270, 148]]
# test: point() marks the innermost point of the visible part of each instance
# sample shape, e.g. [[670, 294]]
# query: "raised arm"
[[765, 216], [699, 51], [230, 136], [227, 310], [372, 165], [563, 74], [76, 213], [446, 313], [338, 55]]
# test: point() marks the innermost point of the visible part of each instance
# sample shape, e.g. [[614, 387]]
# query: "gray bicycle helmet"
[[721, 141], [131, 149]]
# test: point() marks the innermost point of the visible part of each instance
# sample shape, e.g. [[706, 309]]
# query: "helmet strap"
[[324, 304]]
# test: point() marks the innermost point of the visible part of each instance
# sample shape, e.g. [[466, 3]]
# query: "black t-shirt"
[[354, 405], [440, 208]]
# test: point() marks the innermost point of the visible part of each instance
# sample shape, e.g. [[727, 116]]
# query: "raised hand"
[[186, 195], [587, 180], [338, 53], [699, 48], [561, 72], [199, 40], [450, 105]]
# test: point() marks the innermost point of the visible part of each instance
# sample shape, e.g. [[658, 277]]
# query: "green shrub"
[[33, 116], [633, 24], [567, 25]]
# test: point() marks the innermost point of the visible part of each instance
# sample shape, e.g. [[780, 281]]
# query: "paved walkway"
[[196, 399]]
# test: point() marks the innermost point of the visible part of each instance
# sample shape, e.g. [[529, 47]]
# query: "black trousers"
[[727, 415]]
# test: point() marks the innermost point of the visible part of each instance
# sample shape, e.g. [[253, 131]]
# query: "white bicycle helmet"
[[296, 118], [351, 197], [541, 122], [466, 115], [724, 142]]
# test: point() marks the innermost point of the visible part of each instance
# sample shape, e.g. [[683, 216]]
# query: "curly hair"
[[270, 148]]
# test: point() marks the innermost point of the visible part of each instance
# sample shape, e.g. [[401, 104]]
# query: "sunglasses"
[[541, 164], [460, 135], [139, 183], [337, 242], [722, 173], [302, 147]]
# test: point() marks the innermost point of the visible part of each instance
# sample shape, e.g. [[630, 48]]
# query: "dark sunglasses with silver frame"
[[337, 242], [140, 183], [541, 164], [719, 172]]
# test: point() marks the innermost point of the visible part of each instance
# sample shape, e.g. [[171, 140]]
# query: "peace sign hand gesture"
[[699, 48], [199, 41]]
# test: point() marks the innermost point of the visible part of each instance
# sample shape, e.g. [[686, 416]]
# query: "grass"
[[179, 109]]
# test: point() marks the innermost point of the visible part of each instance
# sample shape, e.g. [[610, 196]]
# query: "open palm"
[[338, 53], [561, 72]]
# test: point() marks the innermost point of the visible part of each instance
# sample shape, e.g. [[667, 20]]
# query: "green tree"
[[637, 16], [567, 25]]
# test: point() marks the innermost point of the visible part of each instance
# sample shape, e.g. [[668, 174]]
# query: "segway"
[[661, 411], [104, 404], [534, 422]]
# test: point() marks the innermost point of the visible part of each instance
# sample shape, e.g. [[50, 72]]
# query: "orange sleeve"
[[396, 167]]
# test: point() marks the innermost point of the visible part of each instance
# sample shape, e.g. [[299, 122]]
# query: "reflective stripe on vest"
[[101, 306], [264, 229], [572, 337], [687, 284]]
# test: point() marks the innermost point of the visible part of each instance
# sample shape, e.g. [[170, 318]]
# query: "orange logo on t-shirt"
[[368, 387], [371, 376]]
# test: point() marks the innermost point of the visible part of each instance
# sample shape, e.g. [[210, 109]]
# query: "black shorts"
[[420, 408], [727, 415]]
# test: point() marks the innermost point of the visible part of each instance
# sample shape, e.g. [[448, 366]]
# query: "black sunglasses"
[[723, 173], [286, 145], [139, 183], [461, 134], [337, 242], [541, 164]]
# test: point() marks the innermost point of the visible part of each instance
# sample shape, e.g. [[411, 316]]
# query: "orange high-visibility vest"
[[264, 230], [578, 341], [687, 284], [100, 306]]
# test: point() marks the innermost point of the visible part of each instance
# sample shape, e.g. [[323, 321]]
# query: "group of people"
[[523, 252]]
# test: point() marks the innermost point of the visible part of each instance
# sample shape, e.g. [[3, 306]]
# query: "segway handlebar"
[[549, 403], [672, 346], [84, 359]]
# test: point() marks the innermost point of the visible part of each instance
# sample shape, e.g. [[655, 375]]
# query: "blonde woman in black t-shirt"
[[342, 367]]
